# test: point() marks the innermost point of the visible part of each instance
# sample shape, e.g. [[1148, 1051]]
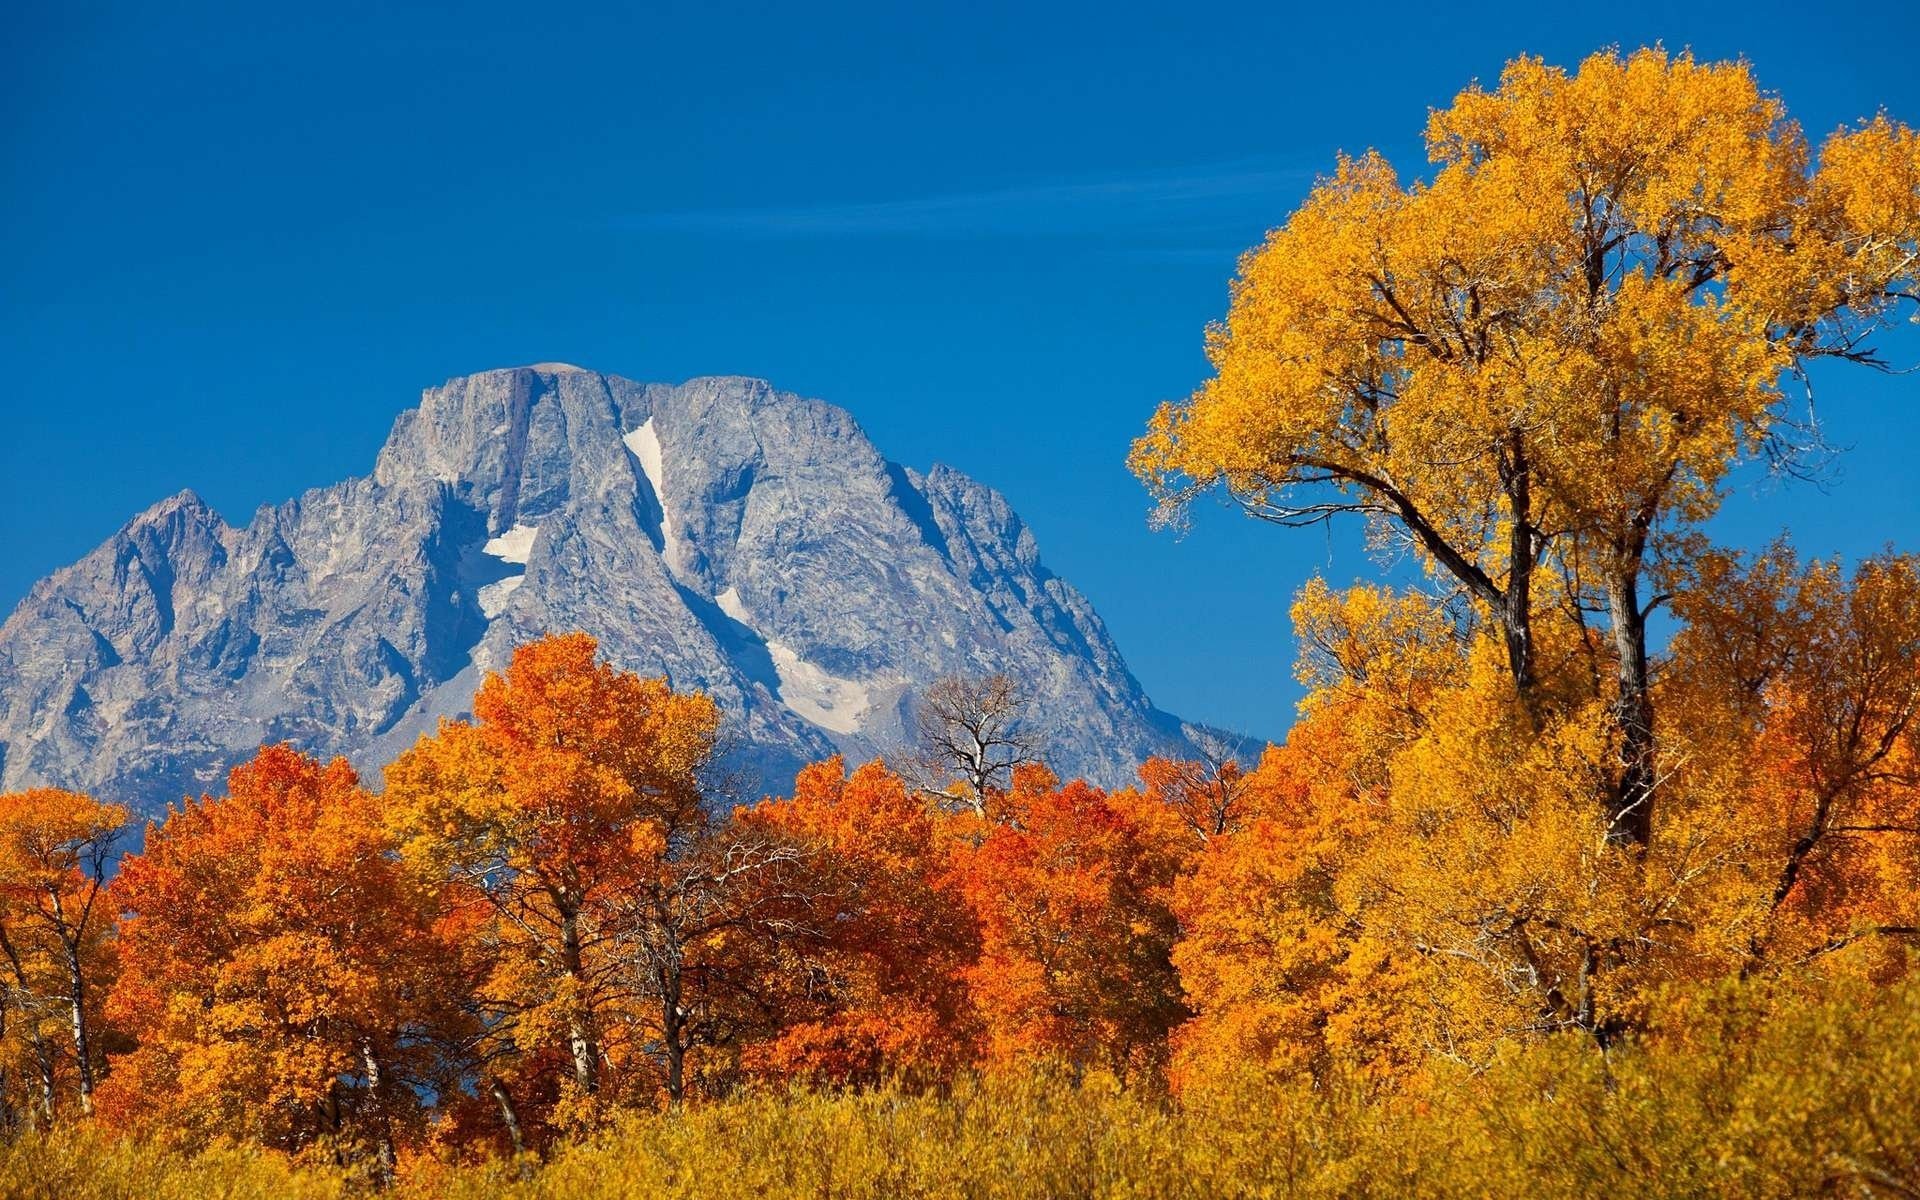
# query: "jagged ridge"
[[733, 537]]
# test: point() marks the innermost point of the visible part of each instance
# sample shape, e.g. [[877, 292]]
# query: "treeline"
[[541, 919], [540, 922]]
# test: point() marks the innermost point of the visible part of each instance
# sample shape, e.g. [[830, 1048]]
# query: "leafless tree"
[[1214, 782], [975, 730]]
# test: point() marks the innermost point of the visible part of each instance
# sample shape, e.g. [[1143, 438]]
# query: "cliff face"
[[737, 539]]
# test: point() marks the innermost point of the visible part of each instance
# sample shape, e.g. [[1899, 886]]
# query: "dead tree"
[[974, 730]]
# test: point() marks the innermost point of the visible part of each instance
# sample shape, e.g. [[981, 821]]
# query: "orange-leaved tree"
[[1800, 687], [1273, 960], [283, 976], [875, 985], [1072, 889], [562, 809], [707, 931]]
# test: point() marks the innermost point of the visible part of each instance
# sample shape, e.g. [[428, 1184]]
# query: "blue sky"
[[236, 240]]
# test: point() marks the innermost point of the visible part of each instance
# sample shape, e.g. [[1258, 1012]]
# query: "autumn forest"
[[1591, 863]]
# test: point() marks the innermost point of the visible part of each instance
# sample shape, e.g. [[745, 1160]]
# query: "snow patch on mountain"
[[514, 545], [493, 597], [645, 445], [729, 602], [825, 699], [816, 694]]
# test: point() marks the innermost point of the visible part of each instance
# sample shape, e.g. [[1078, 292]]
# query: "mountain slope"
[[735, 538]]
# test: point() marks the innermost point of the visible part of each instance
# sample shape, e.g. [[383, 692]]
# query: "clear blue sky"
[[237, 240]]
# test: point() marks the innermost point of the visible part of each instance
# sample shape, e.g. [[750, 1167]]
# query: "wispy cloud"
[[1216, 198]]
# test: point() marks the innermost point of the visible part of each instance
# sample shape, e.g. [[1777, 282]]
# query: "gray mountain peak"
[[735, 538]]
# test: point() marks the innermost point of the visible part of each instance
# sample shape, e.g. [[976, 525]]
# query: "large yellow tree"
[[1538, 366], [1420, 873]]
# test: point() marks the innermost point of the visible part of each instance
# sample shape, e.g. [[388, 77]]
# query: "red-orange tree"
[[282, 974], [874, 985], [1072, 889]]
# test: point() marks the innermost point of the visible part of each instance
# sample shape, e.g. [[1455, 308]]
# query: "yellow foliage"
[[1433, 883], [1536, 368], [1608, 273], [1737, 1096]]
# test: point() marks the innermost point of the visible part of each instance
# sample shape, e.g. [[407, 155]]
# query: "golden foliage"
[[1438, 883], [563, 820], [56, 950], [1536, 368], [1738, 1097], [1614, 267]]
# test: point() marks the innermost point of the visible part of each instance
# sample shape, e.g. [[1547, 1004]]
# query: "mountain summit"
[[738, 539]]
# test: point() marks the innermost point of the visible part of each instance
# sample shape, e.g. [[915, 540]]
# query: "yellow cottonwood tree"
[[1548, 356]]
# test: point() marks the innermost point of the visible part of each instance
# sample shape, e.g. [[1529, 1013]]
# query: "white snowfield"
[[493, 596], [514, 545], [729, 602], [827, 700], [645, 444]]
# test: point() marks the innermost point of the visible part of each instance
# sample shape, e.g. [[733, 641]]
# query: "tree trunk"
[[979, 778], [9, 1119], [1515, 609], [377, 1111], [43, 1061], [579, 1025], [77, 1000], [1630, 808], [1516, 630], [672, 1030], [42, 1057], [509, 1116]]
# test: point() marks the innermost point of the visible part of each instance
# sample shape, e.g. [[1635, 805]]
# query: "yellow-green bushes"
[[1740, 1095]]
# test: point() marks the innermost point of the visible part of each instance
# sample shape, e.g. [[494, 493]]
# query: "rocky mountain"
[[736, 538]]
